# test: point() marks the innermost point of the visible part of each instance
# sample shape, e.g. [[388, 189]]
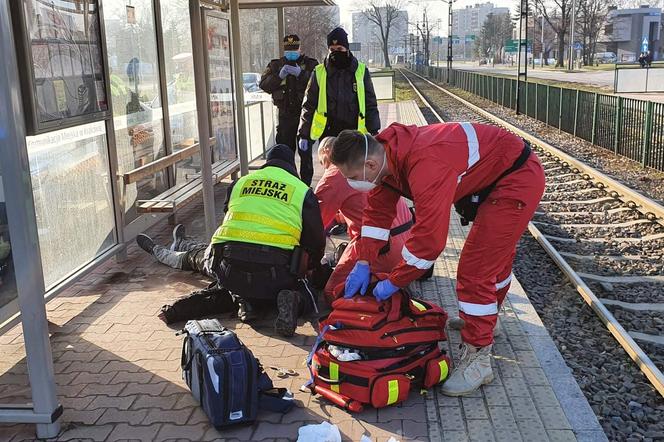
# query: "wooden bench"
[[174, 198]]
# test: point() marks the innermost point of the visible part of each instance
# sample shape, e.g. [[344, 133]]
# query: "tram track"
[[604, 236]]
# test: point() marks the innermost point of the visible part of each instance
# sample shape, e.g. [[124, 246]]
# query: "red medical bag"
[[398, 339]]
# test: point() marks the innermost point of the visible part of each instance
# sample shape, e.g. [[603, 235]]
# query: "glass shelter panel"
[[259, 41], [222, 100], [179, 61], [73, 200], [7, 281], [137, 112], [67, 71]]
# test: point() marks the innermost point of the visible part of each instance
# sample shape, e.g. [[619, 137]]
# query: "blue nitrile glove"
[[304, 145], [283, 73], [293, 70], [384, 289], [357, 280]]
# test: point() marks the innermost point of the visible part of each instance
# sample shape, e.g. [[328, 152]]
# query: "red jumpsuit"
[[335, 195], [435, 166]]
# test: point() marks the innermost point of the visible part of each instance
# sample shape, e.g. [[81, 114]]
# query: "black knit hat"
[[291, 42], [283, 157], [337, 37]]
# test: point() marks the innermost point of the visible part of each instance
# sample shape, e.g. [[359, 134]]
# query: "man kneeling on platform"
[[271, 235]]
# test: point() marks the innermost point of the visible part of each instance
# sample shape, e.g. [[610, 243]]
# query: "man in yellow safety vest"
[[271, 234], [340, 95]]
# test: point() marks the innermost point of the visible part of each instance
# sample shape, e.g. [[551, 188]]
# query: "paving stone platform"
[[118, 367]]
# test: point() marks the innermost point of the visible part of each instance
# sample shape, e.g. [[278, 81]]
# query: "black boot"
[[339, 229], [288, 305], [178, 236], [245, 312], [145, 243], [341, 248]]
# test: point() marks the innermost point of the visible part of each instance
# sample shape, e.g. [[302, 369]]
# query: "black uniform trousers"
[[287, 134]]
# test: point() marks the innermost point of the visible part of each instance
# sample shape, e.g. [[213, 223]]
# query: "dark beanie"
[[291, 42], [283, 157], [281, 152], [337, 37]]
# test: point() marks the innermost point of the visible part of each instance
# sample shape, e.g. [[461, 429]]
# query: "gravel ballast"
[[627, 405]]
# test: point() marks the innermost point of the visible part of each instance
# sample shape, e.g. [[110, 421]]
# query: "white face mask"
[[364, 185]]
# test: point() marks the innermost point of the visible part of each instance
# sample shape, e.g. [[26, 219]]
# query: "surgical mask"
[[364, 185], [292, 55]]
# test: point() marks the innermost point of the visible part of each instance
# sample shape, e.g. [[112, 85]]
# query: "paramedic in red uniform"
[[437, 166], [336, 195]]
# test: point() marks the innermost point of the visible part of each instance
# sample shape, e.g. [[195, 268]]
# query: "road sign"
[[644, 45], [577, 46], [513, 45], [355, 47]]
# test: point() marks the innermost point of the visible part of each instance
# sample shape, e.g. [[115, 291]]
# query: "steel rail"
[[645, 364]]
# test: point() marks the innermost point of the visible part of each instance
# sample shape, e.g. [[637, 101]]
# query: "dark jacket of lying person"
[[271, 235]]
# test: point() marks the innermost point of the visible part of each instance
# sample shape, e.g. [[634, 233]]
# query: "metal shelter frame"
[[45, 409]]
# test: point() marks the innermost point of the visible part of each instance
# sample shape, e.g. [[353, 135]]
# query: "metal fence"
[[630, 77], [629, 127]]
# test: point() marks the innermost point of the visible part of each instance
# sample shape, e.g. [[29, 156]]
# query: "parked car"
[[250, 81], [605, 57]]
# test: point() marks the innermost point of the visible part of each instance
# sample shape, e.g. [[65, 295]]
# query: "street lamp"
[[449, 40], [522, 67], [571, 36], [542, 42]]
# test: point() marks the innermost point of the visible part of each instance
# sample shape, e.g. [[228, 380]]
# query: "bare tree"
[[384, 13], [258, 38], [424, 28], [312, 24], [557, 14], [591, 20], [497, 29]]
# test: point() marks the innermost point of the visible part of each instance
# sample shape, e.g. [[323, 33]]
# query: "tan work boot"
[[497, 329], [472, 371]]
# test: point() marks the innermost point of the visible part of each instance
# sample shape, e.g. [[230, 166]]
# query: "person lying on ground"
[[184, 253]]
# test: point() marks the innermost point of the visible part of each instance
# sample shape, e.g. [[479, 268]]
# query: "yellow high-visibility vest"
[[319, 121], [265, 208]]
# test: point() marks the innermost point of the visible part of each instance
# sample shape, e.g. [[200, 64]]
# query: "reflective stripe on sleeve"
[[504, 283], [414, 261], [375, 233], [478, 309], [473, 144]]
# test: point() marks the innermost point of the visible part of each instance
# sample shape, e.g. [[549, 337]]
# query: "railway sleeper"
[[635, 306], [623, 279], [593, 225]]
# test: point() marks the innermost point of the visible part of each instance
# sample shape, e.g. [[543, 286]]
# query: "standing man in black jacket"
[[286, 80], [340, 96]]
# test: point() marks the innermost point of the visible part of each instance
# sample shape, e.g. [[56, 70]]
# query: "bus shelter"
[[113, 115]]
